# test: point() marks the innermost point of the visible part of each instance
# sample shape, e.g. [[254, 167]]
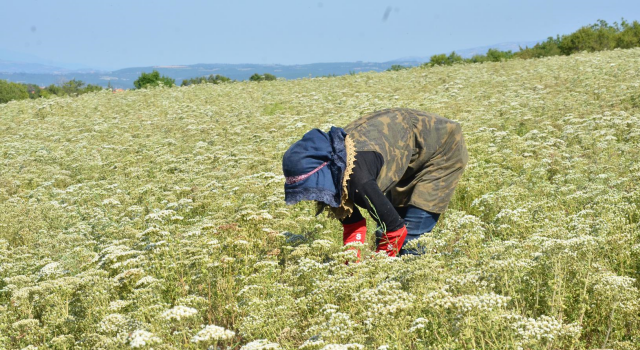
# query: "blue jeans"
[[418, 222]]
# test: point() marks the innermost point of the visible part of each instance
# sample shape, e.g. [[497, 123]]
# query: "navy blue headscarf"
[[314, 167]]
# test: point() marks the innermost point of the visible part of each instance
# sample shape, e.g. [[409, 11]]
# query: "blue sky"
[[115, 34]]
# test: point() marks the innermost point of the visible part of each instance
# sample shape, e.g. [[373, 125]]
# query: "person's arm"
[[364, 191]]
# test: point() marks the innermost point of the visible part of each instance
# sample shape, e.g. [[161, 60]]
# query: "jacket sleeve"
[[364, 191]]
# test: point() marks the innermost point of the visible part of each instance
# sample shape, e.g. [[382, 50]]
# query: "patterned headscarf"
[[314, 167]]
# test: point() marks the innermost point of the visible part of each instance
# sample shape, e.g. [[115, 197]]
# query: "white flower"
[[111, 201], [118, 304], [179, 312], [26, 323], [311, 344], [350, 346], [112, 323], [212, 332], [261, 344], [50, 269], [140, 338], [146, 280]]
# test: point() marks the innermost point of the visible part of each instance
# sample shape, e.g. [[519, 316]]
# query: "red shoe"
[[355, 232], [391, 242]]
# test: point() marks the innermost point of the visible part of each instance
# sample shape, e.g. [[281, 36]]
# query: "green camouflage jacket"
[[424, 155]]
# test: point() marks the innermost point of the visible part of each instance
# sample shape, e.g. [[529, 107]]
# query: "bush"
[[550, 47], [444, 60], [595, 37], [153, 79], [256, 77], [494, 55], [396, 68], [217, 79], [12, 91], [264, 77], [16, 91], [438, 60], [72, 87], [630, 35]]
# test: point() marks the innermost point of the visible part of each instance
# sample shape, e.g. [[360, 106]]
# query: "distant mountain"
[[513, 46], [45, 74], [34, 68], [38, 65], [124, 78]]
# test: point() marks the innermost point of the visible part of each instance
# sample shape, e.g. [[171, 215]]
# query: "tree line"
[[18, 91], [218, 79], [595, 37], [10, 91]]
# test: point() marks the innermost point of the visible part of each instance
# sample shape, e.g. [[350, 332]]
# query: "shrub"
[[550, 47], [263, 77], [396, 67], [444, 60], [17, 91], [217, 79], [256, 77], [12, 91], [152, 79]]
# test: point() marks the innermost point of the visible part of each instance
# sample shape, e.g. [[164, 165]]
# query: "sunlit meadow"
[[155, 218]]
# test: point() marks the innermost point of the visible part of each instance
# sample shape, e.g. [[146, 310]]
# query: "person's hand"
[[391, 242], [355, 232]]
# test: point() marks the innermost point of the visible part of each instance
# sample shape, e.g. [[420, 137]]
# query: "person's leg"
[[418, 222]]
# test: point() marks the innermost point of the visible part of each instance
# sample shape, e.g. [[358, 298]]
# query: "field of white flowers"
[[155, 218]]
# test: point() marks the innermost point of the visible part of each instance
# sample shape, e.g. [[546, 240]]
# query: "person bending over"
[[401, 165]]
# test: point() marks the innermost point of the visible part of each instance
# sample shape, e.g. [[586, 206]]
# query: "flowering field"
[[156, 219]]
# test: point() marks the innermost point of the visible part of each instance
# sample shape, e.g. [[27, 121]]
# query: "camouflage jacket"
[[424, 155]]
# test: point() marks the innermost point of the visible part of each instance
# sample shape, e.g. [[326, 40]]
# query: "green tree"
[[217, 79], [596, 37], [12, 91], [152, 79], [34, 91], [262, 77], [495, 55], [438, 60], [91, 88], [212, 79], [630, 35], [444, 60], [396, 68], [454, 58], [72, 87], [52, 90], [256, 77], [549, 47], [476, 59]]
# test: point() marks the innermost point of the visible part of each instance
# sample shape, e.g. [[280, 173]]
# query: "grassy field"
[[156, 218]]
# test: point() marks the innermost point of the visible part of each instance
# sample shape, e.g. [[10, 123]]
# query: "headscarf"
[[315, 166]]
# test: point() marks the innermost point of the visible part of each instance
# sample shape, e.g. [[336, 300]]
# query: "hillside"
[[124, 78], [136, 219]]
